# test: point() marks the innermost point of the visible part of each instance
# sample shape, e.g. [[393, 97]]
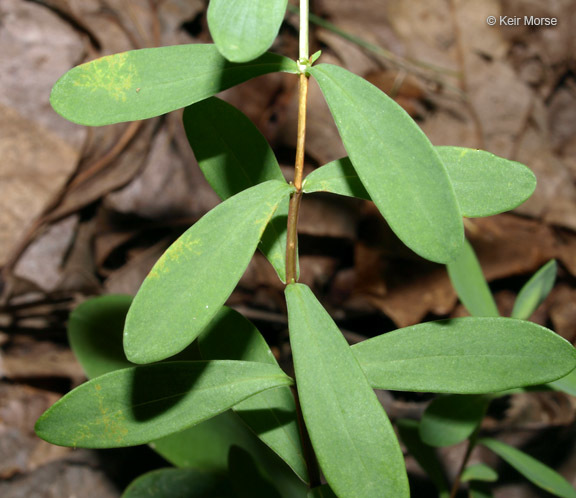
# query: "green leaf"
[[247, 480], [141, 84], [206, 446], [465, 355], [95, 330], [535, 291], [479, 472], [467, 278], [396, 163], [244, 29], [424, 455], [271, 414], [451, 419], [234, 156], [486, 184], [338, 177], [566, 384], [95, 334], [194, 277], [179, 483], [533, 470], [353, 439], [137, 405]]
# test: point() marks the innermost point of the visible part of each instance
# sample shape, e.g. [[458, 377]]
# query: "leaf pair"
[[95, 334], [348, 428]]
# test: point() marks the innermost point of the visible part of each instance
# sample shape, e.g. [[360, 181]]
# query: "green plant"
[[212, 384], [454, 418]]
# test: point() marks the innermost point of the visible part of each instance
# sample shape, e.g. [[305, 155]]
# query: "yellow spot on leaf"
[[112, 73]]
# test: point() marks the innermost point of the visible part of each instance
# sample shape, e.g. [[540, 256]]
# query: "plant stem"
[[292, 230], [294, 209], [471, 445], [303, 52]]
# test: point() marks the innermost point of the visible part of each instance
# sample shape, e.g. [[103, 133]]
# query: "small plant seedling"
[[196, 380]]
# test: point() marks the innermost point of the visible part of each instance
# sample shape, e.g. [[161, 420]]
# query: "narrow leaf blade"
[[486, 184], [179, 483], [535, 291], [397, 164], [244, 29], [465, 355], [350, 432], [467, 278], [141, 84], [271, 414], [137, 405], [234, 156], [192, 280], [533, 470], [449, 420]]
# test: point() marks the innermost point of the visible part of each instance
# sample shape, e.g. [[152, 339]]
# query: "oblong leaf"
[[486, 184], [270, 414], [535, 291], [244, 29], [95, 334], [194, 277], [465, 355], [451, 419], [479, 472], [137, 405], [468, 279], [353, 439], [144, 83], [397, 164], [533, 470], [234, 156], [180, 483], [425, 455]]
